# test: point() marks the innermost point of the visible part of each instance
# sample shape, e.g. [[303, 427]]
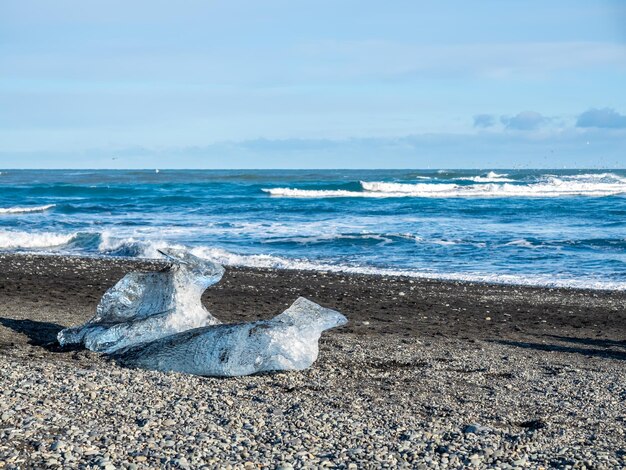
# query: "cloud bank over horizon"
[[567, 148]]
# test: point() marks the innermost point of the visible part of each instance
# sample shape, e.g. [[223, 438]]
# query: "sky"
[[312, 84]]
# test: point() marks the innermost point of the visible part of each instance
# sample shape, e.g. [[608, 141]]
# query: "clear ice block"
[[144, 306], [289, 341]]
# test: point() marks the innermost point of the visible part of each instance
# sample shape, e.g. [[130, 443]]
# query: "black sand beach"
[[426, 374]]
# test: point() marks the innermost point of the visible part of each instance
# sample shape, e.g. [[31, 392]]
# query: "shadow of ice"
[[39, 333]]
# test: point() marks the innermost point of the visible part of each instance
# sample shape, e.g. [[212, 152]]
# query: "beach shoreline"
[[426, 371]]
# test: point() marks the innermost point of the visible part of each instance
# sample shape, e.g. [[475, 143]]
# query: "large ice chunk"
[[289, 341], [144, 306]]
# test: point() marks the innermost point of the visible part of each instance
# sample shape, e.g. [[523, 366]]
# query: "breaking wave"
[[593, 185], [99, 243], [317, 193], [421, 188], [13, 239], [25, 210], [104, 244], [491, 177], [609, 177]]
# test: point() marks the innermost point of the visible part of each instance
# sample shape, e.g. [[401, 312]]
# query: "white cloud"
[[524, 121], [606, 118], [484, 120]]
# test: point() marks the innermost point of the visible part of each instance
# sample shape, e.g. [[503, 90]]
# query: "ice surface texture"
[[289, 341], [146, 306], [156, 321]]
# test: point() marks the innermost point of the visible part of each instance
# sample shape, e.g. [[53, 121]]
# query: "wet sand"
[[541, 372]]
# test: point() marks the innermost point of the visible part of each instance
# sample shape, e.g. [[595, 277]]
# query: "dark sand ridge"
[[426, 374]]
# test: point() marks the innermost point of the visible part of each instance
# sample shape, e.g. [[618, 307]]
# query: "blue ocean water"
[[557, 228]]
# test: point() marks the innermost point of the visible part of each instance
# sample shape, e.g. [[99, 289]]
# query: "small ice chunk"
[[144, 306], [289, 341]]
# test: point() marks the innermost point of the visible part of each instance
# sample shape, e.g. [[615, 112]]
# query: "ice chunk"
[[156, 321], [289, 341], [147, 306]]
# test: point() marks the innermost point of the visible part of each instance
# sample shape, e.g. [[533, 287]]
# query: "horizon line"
[[153, 169]]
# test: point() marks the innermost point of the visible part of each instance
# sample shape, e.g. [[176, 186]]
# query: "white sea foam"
[[609, 177], [491, 177], [330, 237], [131, 246], [304, 193], [548, 187], [62, 243], [444, 242], [486, 179], [13, 239], [373, 189], [25, 210], [409, 236], [423, 188], [275, 262], [521, 242]]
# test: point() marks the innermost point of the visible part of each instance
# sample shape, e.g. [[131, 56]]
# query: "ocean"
[[533, 227]]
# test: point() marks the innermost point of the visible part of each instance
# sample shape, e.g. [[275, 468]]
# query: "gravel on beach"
[[427, 374]]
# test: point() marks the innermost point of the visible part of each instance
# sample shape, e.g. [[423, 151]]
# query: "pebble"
[[476, 429]]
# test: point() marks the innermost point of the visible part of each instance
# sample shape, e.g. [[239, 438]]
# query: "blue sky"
[[319, 84]]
